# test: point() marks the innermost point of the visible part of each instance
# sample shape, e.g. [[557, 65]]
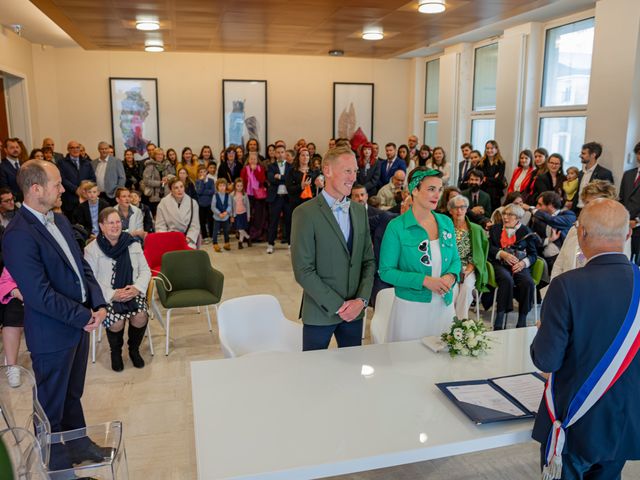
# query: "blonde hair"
[[599, 189], [332, 155]]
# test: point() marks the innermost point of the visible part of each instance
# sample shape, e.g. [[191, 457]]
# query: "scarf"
[[508, 237], [123, 269], [252, 182]]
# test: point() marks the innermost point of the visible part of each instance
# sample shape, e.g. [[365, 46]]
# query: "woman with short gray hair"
[[512, 252]]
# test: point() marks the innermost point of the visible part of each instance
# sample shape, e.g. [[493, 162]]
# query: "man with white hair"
[[587, 423], [109, 173]]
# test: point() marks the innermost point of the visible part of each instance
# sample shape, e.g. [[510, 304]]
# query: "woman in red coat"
[[254, 177], [522, 176]]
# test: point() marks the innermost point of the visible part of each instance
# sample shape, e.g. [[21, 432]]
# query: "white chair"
[[254, 324], [93, 340], [381, 314]]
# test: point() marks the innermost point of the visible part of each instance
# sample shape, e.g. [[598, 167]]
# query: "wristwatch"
[[364, 301]]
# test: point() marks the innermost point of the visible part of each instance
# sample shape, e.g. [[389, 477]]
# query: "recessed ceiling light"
[[431, 6], [372, 33], [336, 53], [154, 46], [148, 25]]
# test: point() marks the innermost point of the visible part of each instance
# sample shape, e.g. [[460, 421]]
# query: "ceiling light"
[[373, 33], [154, 46], [431, 6], [148, 25], [336, 53]]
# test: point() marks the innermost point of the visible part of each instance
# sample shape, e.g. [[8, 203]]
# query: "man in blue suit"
[[73, 169], [278, 198], [9, 167], [582, 313], [62, 304], [391, 165]]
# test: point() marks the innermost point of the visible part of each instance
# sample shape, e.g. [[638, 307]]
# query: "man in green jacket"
[[332, 257]]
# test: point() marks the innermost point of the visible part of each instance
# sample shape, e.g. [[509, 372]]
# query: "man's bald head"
[[603, 226]]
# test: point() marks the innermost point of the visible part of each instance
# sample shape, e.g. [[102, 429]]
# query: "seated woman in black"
[[512, 252]]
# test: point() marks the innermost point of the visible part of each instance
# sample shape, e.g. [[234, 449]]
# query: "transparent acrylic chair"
[[19, 407], [20, 456]]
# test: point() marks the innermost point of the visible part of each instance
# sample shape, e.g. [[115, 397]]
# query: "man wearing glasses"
[[7, 206], [73, 170]]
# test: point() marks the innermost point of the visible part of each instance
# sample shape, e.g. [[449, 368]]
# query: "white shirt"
[[55, 232], [341, 217], [282, 189], [586, 179], [101, 169], [518, 183]]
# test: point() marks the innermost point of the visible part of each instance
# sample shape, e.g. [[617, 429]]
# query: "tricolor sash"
[[607, 372]]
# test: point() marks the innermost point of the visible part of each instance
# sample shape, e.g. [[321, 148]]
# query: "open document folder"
[[497, 399]]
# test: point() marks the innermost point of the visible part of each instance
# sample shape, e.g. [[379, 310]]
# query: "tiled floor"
[[155, 402]]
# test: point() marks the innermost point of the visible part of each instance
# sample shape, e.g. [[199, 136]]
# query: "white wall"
[[73, 94]]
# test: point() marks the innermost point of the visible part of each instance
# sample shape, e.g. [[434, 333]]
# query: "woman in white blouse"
[[123, 274]]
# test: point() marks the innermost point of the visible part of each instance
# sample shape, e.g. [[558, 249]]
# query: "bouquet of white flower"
[[466, 337]]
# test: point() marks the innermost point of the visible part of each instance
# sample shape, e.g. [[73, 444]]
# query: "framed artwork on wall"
[[352, 110], [244, 114], [134, 114]]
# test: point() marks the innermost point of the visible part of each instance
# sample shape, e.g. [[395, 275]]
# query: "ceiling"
[[36, 26], [304, 27]]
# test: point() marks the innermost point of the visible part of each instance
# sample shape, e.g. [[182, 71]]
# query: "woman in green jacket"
[[420, 259], [473, 248]]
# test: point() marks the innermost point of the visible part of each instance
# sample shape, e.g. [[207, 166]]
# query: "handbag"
[[519, 254], [260, 193]]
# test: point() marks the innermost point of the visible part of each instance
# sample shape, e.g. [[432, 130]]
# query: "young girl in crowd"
[[189, 185], [570, 186], [241, 213], [221, 206]]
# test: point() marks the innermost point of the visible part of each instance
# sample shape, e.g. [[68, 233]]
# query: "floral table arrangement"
[[466, 337]]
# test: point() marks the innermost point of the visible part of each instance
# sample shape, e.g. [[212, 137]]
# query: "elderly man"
[[390, 194], [587, 422], [73, 169], [109, 173], [10, 165], [49, 143]]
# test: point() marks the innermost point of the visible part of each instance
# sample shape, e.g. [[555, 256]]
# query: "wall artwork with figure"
[[353, 111], [134, 114], [245, 112]]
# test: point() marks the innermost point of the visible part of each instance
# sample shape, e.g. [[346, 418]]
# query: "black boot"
[[116, 340], [499, 321], [135, 339]]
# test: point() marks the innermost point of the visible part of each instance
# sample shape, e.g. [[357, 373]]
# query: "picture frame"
[[353, 109], [244, 112], [134, 114]]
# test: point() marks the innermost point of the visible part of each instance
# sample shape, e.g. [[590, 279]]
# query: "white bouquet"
[[466, 337]]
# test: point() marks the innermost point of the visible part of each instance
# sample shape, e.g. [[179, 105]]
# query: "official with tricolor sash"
[[589, 422]]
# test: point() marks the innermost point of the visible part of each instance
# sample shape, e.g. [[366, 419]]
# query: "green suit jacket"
[[322, 264]]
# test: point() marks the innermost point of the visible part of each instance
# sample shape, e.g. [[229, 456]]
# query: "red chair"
[[155, 246]]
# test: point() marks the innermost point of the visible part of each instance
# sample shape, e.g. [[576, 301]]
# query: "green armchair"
[[191, 281]]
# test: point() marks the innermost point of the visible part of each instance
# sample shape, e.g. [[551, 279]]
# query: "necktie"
[[465, 167], [389, 163], [342, 205], [475, 199], [637, 180]]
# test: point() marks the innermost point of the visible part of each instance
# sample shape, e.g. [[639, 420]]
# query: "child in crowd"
[[571, 185], [241, 213], [205, 188], [221, 206], [212, 172], [147, 216]]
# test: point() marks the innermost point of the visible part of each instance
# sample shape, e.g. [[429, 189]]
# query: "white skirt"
[[414, 320]]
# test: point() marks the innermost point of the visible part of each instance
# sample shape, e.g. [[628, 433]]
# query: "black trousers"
[[279, 206], [520, 284], [318, 337], [206, 221], [575, 468]]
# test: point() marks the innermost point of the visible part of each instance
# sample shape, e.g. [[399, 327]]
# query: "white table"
[[314, 414]]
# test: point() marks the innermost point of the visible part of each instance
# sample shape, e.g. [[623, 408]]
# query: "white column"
[[613, 112]]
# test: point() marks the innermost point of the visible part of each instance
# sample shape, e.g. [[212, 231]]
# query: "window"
[[564, 135], [431, 94], [482, 130], [432, 87], [565, 89], [431, 133], [567, 64], [485, 75], [483, 114]]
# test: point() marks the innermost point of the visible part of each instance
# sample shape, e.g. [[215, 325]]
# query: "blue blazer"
[[581, 315], [274, 183], [8, 178], [71, 178], [54, 315], [387, 173]]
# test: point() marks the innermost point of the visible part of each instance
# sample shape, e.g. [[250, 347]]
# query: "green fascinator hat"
[[420, 175]]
